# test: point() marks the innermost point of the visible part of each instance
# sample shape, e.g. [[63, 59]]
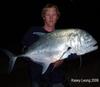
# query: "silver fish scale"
[[55, 46], [60, 40], [49, 48]]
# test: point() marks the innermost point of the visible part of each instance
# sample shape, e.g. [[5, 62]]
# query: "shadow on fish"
[[55, 46]]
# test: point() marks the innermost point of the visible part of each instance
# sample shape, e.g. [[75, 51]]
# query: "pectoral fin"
[[45, 67], [66, 53]]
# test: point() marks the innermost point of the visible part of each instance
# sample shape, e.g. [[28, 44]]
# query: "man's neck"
[[49, 29]]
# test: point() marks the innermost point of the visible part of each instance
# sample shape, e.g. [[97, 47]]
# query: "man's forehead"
[[51, 9]]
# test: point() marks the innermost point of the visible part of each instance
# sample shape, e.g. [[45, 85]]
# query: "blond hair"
[[50, 6]]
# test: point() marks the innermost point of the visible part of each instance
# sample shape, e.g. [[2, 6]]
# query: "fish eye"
[[68, 48]]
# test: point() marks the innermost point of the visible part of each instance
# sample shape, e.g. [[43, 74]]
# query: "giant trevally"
[[57, 45]]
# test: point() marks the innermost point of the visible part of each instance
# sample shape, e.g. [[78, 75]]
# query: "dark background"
[[18, 16]]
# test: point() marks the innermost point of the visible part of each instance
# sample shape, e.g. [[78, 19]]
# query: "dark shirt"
[[32, 36]]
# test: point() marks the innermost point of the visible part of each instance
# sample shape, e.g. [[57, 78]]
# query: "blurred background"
[[18, 16]]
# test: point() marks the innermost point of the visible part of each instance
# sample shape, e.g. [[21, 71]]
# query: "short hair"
[[50, 6]]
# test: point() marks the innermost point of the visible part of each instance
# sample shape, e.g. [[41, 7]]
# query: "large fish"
[[57, 45]]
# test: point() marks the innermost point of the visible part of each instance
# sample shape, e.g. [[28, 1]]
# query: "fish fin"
[[45, 67], [11, 64], [12, 59], [66, 53]]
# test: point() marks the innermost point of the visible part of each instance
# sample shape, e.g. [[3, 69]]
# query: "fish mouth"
[[92, 44], [96, 46], [88, 49], [92, 48]]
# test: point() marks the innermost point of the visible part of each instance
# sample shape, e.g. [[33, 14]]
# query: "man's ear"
[[43, 17], [57, 18]]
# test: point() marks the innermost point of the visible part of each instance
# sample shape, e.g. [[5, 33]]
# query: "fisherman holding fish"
[[50, 14], [49, 47]]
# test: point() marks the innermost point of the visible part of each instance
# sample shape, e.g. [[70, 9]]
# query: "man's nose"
[[51, 17]]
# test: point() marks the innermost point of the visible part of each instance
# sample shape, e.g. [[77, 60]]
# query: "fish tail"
[[12, 59]]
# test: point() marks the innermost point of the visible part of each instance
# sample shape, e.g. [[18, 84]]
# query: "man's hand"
[[57, 63]]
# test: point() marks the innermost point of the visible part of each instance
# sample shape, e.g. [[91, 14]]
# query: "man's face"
[[50, 17]]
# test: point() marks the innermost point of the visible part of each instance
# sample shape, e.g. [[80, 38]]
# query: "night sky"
[[18, 16]]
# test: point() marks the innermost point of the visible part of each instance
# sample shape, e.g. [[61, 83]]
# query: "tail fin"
[[12, 59]]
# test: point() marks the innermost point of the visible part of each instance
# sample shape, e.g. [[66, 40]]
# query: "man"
[[50, 15]]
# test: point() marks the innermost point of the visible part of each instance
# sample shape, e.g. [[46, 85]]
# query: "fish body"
[[58, 45]]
